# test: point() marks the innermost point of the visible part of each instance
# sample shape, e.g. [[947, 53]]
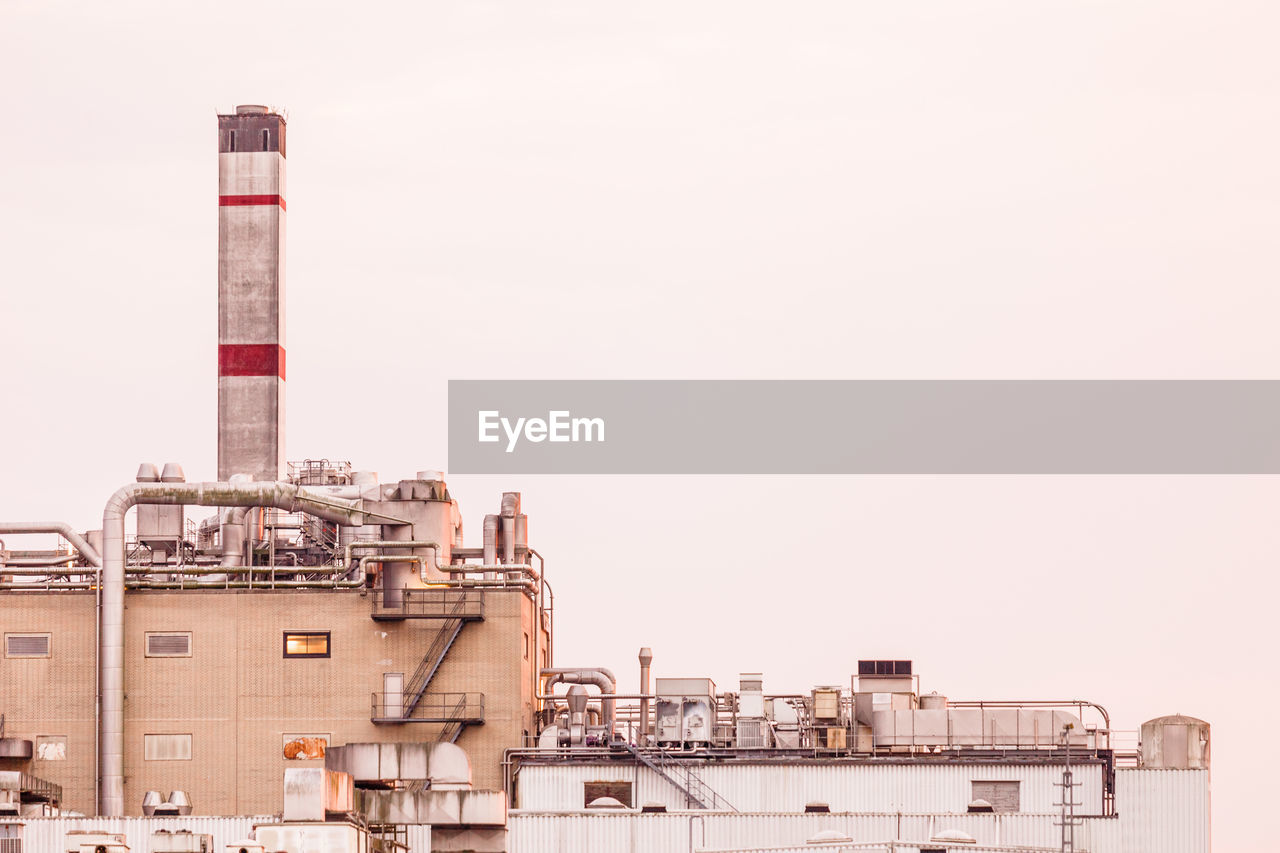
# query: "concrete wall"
[[237, 695]]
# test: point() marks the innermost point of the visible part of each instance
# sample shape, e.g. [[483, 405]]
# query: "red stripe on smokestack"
[[251, 360], [244, 200]]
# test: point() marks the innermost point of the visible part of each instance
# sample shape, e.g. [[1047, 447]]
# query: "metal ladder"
[[697, 792]]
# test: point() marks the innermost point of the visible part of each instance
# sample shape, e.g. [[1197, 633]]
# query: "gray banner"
[[864, 427]]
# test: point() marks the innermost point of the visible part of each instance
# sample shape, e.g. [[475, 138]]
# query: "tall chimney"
[[251, 214]]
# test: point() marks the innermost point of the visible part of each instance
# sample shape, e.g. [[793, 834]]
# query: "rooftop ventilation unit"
[[181, 841]]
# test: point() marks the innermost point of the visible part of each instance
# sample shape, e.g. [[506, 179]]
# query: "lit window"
[[306, 644]]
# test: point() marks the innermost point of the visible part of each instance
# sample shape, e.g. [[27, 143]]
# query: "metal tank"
[[1175, 742]]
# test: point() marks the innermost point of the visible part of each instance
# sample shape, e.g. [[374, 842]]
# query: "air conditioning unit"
[[86, 841], [245, 847], [182, 841]]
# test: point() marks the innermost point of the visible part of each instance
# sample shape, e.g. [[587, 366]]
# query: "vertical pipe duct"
[[491, 540], [646, 658], [251, 223], [285, 496], [510, 509]]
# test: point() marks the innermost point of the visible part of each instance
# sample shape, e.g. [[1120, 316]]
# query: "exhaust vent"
[[169, 645], [26, 645]]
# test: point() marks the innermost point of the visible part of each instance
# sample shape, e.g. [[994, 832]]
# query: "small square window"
[[26, 645], [620, 791], [169, 747], [306, 644], [51, 748], [1002, 795]]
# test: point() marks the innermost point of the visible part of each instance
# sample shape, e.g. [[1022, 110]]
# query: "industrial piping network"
[[597, 675], [285, 496]]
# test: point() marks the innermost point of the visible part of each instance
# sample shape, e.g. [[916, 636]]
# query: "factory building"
[[307, 656]]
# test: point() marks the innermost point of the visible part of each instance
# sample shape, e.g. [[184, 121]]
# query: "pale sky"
[[698, 190]]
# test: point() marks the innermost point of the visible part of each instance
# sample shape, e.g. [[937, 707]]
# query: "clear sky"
[[702, 190]]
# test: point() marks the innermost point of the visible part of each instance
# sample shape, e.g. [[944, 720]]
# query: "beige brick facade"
[[238, 696]]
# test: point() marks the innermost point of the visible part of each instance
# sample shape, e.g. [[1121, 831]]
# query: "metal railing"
[[430, 708], [466, 604]]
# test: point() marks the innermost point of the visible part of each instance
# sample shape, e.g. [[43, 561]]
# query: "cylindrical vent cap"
[[251, 110], [148, 473], [172, 473]]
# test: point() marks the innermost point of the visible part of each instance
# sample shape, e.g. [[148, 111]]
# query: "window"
[[169, 644], [305, 747], [266, 140], [306, 644], [166, 747], [1003, 796], [526, 646], [231, 144], [884, 667], [51, 748], [620, 791], [26, 645]]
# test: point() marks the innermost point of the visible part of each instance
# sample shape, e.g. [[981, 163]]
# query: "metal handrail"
[[431, 603], [431, 708]]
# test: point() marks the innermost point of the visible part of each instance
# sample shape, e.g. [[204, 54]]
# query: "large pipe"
[[285, 496], [510, 508], [60, 527], [232, 533], [524, 582], [598, 675], [646, 658], [491, 539]]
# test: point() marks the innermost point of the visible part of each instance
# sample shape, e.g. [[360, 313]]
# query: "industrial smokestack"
[[251, 215]]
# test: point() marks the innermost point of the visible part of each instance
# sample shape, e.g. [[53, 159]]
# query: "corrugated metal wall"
[[789, 787], [580, 833], [47, 835], [1160, 811]]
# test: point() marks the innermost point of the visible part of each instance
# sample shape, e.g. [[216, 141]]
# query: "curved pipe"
[[285, 496], [599, 676], [81, 544], [233, 535]]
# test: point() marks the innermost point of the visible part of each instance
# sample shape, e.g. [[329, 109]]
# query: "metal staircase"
[[454, 608], [681, 774], [430, 663]]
